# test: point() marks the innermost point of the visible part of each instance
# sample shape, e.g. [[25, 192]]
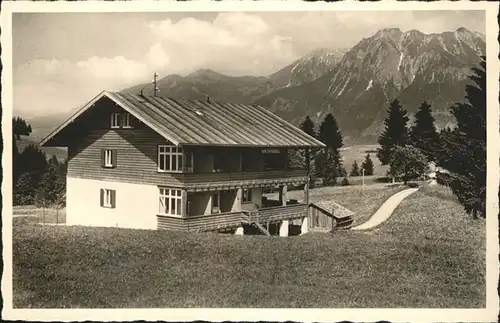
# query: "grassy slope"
[[428, 255], [363, 201]]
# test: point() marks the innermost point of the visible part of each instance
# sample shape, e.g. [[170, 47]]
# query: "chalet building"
[[151, 162]]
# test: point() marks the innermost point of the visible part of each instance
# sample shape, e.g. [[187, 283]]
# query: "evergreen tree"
[[395, 133], [342, 170], [423, 133], [329, 133], [328, 163], [29, 168], [367, 165], [463, 150], [330, 168], [50, 187], [308, 154], [20, 127], [407, 163], [355, 169], [54, 161]]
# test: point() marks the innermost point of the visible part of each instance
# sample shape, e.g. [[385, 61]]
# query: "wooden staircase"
[[248, 219]]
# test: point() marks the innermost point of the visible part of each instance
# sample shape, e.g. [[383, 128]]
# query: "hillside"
[[25, 141]]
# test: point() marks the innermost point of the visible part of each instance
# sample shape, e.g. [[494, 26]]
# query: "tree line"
[[36, 179], [408, 149], [460, 151], [326, 162]]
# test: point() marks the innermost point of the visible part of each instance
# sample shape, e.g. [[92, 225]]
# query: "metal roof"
[[195, 122]]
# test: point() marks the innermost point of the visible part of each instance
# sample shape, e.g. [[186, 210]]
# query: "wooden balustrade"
[[213, 222]]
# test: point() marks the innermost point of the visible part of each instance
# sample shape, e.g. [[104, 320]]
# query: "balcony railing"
[[229, 220], [251, 178]]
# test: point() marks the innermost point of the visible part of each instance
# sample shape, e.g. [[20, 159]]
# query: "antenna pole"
[[154, 83]]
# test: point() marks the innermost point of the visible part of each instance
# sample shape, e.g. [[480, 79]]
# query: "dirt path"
[[386, 210]]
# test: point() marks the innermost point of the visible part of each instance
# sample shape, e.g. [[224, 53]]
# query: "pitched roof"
[[195, 122]]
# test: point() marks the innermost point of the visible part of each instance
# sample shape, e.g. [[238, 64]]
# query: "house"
[[151, 162]]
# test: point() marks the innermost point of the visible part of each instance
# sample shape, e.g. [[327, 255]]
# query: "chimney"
[[208, 99]]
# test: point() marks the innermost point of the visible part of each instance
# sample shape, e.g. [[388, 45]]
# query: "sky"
[[62, 60]]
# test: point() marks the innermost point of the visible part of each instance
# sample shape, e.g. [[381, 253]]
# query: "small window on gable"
[[115, 120], [108, 198], [108, 158], [126, 120], [120, 120]]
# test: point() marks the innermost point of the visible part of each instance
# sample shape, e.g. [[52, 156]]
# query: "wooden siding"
[[171, 223], [280, 213], [137, 152], [213, 222], [323, 219], [137, 157], [231, 220]]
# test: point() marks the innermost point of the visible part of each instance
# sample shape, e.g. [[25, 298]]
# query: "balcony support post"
[[184, 209], [283, 195]]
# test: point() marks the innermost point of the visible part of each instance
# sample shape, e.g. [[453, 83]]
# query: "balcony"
[[229, 180]]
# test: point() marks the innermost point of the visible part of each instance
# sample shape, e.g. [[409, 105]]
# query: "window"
[[247, 195], [115, 120], [216, 202], [108, 158], [169, 158], [170, 201], [126, 120], [120, 120], [108, 198]]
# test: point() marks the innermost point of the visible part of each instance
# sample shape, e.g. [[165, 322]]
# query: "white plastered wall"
[[136, 204]]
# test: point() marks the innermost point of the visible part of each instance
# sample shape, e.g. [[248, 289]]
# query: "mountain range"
[[355, 84]]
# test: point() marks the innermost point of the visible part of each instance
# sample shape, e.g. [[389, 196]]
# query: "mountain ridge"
[[355, 84]]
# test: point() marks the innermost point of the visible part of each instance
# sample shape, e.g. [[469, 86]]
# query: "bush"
[[413, 185], [345, 182]]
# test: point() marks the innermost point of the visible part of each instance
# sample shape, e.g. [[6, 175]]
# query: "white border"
[[489, 314]]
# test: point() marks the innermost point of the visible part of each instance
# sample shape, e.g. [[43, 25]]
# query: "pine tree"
[[308, 154], [329, 162], [30, 167], [367, 165], [355, 169], [50, 187], [463, 150], [423, 133], [330, 169], [329, 133], [408, 163], [20, 127], [395, 133]]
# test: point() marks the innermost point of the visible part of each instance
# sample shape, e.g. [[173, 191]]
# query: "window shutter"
[[114, 155], [102, 197], [113, 199], [103, 156]]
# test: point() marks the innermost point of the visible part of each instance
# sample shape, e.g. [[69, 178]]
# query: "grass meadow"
[[429, 254]]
